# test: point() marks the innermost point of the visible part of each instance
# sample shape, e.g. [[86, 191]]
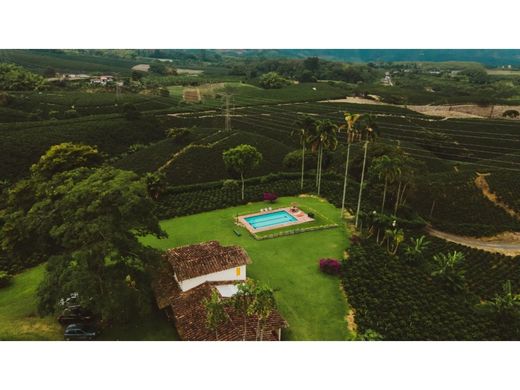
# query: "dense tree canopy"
[[16, 78], [84, 222], [273, 80]]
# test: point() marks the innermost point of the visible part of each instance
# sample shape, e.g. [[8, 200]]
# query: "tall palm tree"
[[367, 133], [387, 169], [324, 138], [350, 131], [305, 126]]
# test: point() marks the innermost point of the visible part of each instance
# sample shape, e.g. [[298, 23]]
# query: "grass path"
[[310, 301]]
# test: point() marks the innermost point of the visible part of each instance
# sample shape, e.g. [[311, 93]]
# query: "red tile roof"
[[189, 313], [201, 259], [190, 319]]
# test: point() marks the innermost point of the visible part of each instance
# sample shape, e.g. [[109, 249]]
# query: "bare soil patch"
[[444, 111], [482, 184]]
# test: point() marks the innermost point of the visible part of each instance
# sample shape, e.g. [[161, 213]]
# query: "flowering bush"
[[330, 266], [270, 196]]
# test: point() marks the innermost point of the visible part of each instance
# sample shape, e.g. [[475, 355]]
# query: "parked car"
[[80, 332], [75, 315]]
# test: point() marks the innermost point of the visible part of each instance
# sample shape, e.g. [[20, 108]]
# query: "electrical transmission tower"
[[118, 92], [227, 113]]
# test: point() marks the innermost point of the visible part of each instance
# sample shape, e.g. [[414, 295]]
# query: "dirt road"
[[507, 244]]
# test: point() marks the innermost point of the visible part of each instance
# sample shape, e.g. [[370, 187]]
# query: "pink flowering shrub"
[[270, 196], [330, 266]]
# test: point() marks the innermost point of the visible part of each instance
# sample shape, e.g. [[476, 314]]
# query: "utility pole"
[[227, 113], [118, 92]]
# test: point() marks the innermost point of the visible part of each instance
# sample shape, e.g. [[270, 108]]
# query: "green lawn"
[[310, 301], [19, 320]]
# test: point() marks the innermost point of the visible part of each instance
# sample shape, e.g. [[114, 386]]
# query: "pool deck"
[[300, 215]]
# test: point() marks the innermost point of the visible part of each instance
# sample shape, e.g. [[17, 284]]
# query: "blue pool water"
[[270, 219]]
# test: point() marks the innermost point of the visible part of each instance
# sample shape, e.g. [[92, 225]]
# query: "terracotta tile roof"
[[190, 319], [201, 259], [164, 285]]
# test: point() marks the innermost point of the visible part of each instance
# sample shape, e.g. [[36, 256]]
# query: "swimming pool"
[[270, 219]]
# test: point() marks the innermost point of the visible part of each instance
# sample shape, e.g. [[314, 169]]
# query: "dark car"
[[75, 315], [80, 332]]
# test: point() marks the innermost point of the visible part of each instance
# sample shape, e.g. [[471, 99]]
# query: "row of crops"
[[506, 185], [402, 302], [59, 104], [485, 272], [21, 145], [196, 198], [452, 151], [69, 62]]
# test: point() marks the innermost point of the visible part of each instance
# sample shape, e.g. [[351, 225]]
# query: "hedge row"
[[197, 198], [295, 231]]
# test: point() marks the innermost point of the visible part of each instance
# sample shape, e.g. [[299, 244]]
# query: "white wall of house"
[[235, 273]]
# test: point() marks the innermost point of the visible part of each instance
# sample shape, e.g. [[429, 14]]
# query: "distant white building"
[[102, 80], [387, 80]]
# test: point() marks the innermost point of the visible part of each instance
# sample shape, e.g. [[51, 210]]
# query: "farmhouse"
[[190, 274], [101, 80]]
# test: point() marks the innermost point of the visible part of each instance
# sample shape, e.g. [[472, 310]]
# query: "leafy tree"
[[16, 78], [367, 132], [241, 159], [242, 301], [262, 307], [448, 270], [306, 76], [155, 184], [162, 68], [312, 64], [137, 75], [273, 80], [84, 222], [415, 251], [476, 75], [216, 314], [350, 130], [306, 125], [65, 157]]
